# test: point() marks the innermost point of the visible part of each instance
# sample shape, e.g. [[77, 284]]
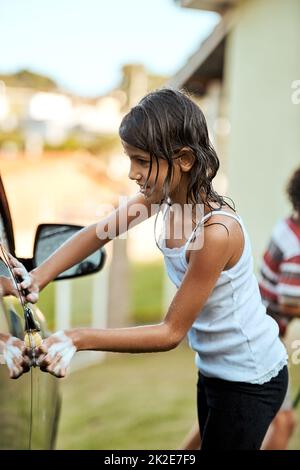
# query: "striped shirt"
[[280, 270]]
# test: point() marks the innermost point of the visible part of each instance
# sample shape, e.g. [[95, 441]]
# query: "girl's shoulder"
[[223, 216], [220, 226]]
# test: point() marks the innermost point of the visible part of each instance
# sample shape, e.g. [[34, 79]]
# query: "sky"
[[82, 44]]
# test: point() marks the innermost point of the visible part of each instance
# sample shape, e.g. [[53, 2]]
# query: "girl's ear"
[[186, 159]]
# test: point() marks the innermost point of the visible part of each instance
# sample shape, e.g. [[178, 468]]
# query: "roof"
[[207, 63]]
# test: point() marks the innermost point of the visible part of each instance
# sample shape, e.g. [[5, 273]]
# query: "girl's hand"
[[27, 282], [55, 354], [14, 355]]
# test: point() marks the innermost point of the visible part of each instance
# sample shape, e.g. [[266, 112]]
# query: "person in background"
[[280, 291]]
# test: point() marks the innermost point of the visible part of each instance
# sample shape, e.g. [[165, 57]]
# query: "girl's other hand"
[[28, 281], [55, 354], [13, 351]]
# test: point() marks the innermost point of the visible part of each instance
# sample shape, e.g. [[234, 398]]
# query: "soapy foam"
[[10, 353], [65, 348]]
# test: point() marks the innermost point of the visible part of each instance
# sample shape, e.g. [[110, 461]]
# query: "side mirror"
[[49, 237]]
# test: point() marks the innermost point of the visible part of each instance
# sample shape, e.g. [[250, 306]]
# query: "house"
[[249, 67]]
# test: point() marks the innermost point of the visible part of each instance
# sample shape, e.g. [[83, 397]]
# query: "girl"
[[241, 361]]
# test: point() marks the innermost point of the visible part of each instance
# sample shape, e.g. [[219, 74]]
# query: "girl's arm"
[[287, 309], [283, 307], [205, 266], [82, 244], [192, 441]]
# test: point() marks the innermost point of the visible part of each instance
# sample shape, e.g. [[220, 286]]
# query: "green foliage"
[[146, 295], [80, 302], [136, 401], [15, 136], [28, 79], [147, 292], [130, 401], [46, 305], [294, 443], [98, 144], [103, 144], [70, 144]]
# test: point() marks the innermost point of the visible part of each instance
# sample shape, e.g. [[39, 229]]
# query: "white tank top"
[[233, 337]]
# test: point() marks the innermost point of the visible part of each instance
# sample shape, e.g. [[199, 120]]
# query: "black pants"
[[236, 415]]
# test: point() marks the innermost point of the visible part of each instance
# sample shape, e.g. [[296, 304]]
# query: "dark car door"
[[15, 395], [29, 406]]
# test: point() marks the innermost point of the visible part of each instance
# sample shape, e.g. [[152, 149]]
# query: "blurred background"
[[69, 71]]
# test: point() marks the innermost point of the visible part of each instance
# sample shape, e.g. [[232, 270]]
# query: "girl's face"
[[139, 168]]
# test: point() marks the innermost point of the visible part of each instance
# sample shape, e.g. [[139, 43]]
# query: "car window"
[[3, 234], [6, 228], [10, 307], [4, 271]]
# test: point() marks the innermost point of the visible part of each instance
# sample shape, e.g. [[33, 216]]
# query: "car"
[[30, 405]]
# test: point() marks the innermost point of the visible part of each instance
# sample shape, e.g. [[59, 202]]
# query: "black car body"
[[30, 405]]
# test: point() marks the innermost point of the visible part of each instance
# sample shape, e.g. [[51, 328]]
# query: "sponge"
[[32, 339]]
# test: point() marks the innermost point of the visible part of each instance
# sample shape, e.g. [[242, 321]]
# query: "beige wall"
[[263, 60]]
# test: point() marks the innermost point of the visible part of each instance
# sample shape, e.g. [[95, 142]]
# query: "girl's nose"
[[133, 175]]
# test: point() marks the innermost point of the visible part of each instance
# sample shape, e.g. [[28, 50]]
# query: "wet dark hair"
[[164, 122], [293, 190]]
